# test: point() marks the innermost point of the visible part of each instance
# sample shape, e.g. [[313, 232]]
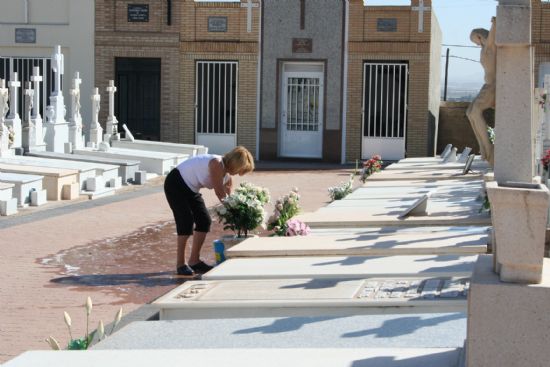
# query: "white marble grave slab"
[[401, 203], [477, 165], [327, 357], [425, 182], [438, 330], [6, 190], [24, 185], [85, 169], [126, 168], [441, 243], [391, 231], [470, 188], [432, 160], [154, 162], [160, 146], [349, 267], [60, 184], [445, 211], [416, 174], [313, 297]]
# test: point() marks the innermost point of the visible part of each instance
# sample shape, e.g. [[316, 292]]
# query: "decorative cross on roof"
[[249, 5], [421, 9]]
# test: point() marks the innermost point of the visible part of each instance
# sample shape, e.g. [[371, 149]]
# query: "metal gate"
[[216, 105], [23, 66], [385, 93]]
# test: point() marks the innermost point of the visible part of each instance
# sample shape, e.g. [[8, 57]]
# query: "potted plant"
[[243, 211]]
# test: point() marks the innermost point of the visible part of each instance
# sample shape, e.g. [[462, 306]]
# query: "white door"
[[216, 105], [302, 114], [384, 110]]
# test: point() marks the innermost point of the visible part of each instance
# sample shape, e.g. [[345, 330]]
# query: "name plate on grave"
[[302, 45], [25, 35], [217, 24], [138, 13], [386, 25]]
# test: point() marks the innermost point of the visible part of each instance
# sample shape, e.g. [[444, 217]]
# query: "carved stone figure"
[[486, 97]]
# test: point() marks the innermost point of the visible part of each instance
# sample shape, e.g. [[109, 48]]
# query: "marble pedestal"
[[159, 146], [24, 186]]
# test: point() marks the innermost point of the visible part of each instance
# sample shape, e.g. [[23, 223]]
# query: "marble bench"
[[60, 184]]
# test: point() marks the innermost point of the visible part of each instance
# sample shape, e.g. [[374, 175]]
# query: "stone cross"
[[36, 78], [249, 5], [75, 100], [96, 99], [58, 66], [111, 89], [13, 84], [29, 101], [4, 132], [421, 9]]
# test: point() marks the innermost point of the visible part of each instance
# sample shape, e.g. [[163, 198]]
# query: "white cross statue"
[[421, 9], [111, 89], [75, 94], [13, 84], [249, 5], [58, 66], [36, 78]]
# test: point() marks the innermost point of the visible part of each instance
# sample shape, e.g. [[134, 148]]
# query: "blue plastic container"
[[219, 251]]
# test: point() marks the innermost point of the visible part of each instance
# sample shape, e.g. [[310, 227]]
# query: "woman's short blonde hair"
[[239, 160]]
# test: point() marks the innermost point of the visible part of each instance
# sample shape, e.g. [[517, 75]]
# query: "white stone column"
[[36, 78], [13, 121], [75, 124], [57, 129], [4, 99], [96, 131], [29, 136], [514, 93], [111, 127]]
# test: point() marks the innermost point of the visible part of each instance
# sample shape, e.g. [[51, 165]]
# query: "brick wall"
[[404, 45]]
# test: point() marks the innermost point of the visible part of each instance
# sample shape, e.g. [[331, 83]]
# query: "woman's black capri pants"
[[188, 206]]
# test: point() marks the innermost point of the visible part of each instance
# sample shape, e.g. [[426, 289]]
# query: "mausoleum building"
[[329, 80]]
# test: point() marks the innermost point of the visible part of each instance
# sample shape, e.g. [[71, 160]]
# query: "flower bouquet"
[[545, 160], [340, 192], [243, 210], [295, 227], [370, 166], [286, 207]]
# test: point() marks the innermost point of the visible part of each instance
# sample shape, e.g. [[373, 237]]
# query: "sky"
[[457, 18]]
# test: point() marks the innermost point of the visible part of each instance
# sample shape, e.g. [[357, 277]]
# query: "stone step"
[[208, 357], [343, 267], [362, 245], [437, 330]]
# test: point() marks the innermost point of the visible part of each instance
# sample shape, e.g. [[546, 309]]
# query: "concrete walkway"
[[36, 289]]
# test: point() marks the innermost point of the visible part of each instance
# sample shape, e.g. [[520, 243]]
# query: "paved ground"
[[118, 250]]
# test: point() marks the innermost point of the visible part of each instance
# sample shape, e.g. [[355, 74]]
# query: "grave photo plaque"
[[138, 13], [302, 45], [386, 25], [25, 35], [217, 24]]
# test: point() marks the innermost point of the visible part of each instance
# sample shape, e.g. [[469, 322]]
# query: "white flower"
[[222, 211]]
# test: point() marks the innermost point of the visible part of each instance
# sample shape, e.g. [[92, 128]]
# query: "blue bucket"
[[219, 251]]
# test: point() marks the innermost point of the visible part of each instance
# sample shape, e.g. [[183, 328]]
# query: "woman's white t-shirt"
[[196, 172]]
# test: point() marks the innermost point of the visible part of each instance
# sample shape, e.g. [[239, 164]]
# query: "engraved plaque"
[[25, 35], [217, 24], [386, 25], [302, 45], [138, 13]]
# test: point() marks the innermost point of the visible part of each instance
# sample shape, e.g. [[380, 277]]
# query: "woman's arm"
[[228, 186], [217, 172]]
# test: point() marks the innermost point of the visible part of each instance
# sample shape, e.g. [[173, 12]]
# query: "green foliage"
[[340, 192]]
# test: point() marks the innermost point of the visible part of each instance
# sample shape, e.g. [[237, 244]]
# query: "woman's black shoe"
[[201, 267], [185, 270]]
